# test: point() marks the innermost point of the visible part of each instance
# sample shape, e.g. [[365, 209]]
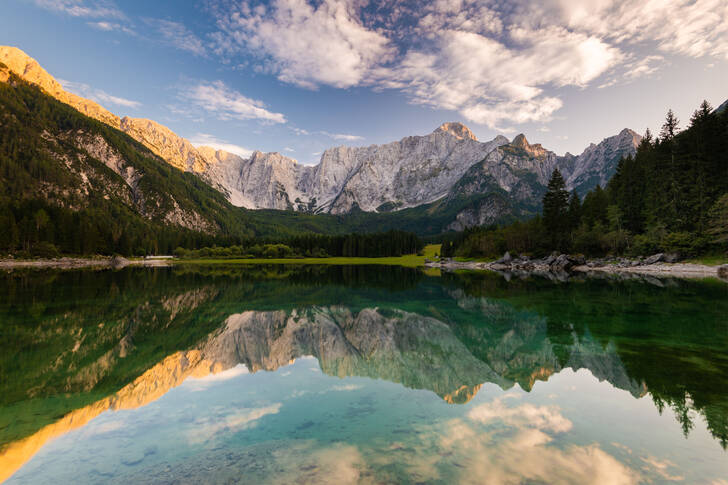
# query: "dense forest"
[[672, 196], [373, 245]]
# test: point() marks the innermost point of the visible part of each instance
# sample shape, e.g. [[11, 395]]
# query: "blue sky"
[[298, 76]]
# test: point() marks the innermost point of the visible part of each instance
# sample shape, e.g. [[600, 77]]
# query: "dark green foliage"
[[373, 245], [671, 196], [555, 210]]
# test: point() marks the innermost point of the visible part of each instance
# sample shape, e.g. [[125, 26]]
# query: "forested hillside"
[[70, 184], [671, 196], [73, 184]]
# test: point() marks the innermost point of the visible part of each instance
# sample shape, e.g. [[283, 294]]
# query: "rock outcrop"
[[475, 182], [28, 69]]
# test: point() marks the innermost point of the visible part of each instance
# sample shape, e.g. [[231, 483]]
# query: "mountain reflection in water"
[[80, 343]]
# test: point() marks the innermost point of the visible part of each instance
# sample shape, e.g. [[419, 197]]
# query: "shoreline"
[[659, 269], [79, 263], [517, 266]]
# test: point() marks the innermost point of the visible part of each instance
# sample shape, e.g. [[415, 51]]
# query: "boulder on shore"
[[506, 259], [118, 262], [671, 258], [655, 258]]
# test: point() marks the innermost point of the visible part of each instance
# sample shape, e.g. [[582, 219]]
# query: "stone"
[[671, 258], [723, 271], [505, 259], [655, 258], [562, 263]]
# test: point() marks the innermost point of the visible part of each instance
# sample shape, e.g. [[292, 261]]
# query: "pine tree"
[[574, 212], [701, 114], [670, 127], [555, 210]]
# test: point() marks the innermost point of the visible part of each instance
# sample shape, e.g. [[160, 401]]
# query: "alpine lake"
[[360, 374]]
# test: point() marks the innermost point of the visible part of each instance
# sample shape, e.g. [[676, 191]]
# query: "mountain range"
[[447, 176]]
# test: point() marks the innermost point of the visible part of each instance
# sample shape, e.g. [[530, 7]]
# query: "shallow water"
[[360, 374]]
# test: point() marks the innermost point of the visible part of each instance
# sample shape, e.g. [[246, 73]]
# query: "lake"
[[360, 374]]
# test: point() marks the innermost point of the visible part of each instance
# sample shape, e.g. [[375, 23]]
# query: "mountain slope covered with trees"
[[671, 196]]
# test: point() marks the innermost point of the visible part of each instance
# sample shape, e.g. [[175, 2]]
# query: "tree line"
[[372, 245], [671, 196]]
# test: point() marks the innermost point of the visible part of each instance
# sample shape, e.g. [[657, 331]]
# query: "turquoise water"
[[360, 375]]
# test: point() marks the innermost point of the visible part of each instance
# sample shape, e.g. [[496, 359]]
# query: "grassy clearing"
[[710, 260], [409, 260]]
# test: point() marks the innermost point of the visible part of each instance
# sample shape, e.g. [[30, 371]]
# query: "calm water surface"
[[360, 375]]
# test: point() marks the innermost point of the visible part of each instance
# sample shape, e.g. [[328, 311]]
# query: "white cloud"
[[492, 84], [692, 28], [303, 44], [207, 428], [107, 26], [97, 95], [225, 103], [495, 63], [342, 136], [203, 139], [83, 8], [544, 418], [177, 35], [289, 149], [197, 384]]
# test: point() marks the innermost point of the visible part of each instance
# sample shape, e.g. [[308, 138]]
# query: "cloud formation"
[[204, 139], [303, 44], [97, 95], [177, 35], [83, 8], [342, 136], [495, 63], [226, 104]]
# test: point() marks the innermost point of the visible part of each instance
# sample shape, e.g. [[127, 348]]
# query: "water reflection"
[[90, 342]]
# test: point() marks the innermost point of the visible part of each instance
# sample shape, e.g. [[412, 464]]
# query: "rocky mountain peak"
[[28, 69], [458, 130], [521, 143], [176, 150]]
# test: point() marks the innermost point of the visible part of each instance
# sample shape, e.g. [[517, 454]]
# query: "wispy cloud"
[[107, 26], [225, 103], [204, 139], [208, 428], [98, 95], [83, 8], [177, 35], [342, 136]]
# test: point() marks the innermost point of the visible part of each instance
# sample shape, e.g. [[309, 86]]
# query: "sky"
[[300, 76]]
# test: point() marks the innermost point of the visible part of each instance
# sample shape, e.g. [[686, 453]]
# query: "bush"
[[45, 250]]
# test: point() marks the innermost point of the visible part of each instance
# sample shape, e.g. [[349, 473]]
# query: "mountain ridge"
[[416, 171]]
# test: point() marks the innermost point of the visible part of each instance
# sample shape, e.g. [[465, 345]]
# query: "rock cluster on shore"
[[563, 265]]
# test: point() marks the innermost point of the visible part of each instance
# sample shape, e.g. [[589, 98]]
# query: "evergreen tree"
[[574, 211], [701, 114], [670, 127], [719, 221], [555, 210]]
